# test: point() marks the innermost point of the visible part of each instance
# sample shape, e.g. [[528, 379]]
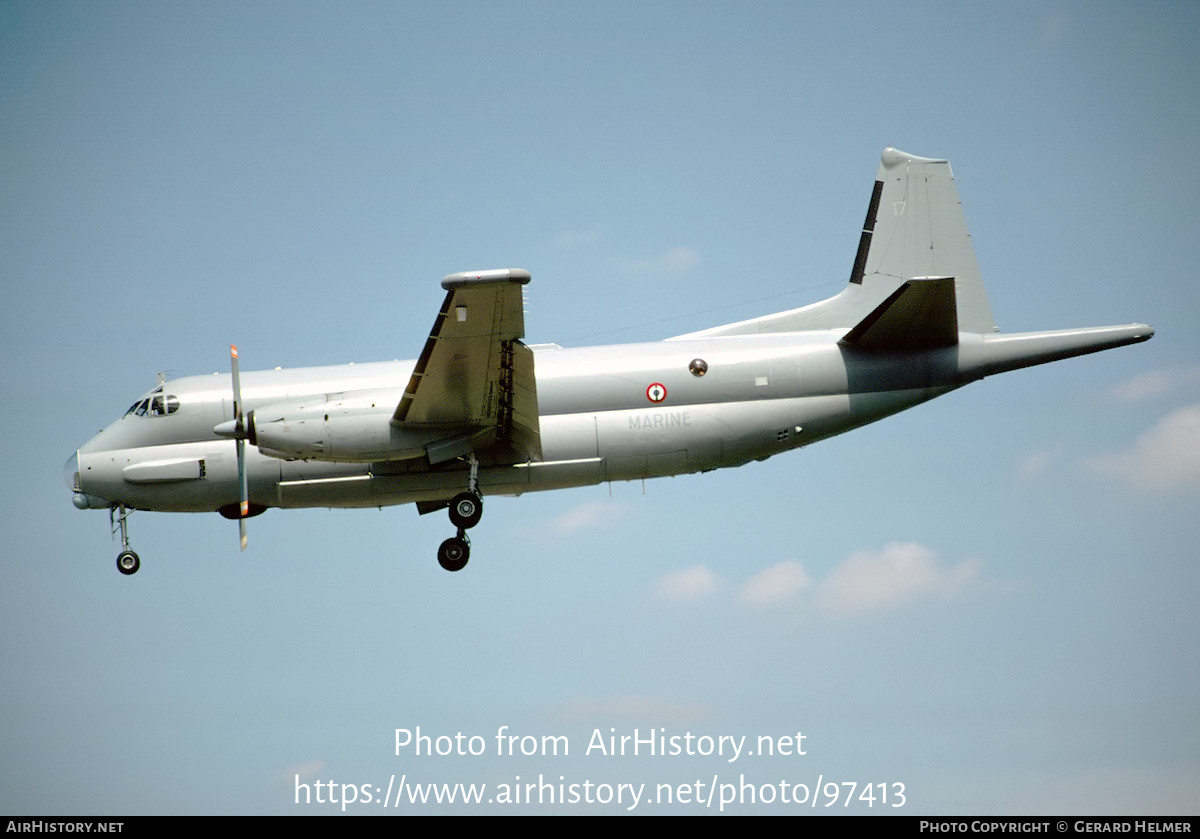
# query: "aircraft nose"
[[73, 476]]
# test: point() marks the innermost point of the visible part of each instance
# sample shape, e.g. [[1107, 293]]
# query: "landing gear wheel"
[[466, 509], [128, 562], [454, 553]]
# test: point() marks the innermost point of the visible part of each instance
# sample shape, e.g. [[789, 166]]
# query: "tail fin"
[[914, 231]]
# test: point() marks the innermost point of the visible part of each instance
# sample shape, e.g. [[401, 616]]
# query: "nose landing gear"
[[127, 561]]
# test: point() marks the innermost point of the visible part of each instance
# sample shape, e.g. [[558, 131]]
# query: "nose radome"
[[70, 470]]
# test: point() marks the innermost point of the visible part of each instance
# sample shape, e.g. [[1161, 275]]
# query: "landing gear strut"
[[127, 560], [466, 509]]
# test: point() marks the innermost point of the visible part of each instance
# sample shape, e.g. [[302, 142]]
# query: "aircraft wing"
[[474, 377]]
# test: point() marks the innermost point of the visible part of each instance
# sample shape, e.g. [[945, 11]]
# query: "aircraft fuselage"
[[606, 413]]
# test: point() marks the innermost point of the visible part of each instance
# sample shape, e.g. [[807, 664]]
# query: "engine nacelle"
[[357, 428]]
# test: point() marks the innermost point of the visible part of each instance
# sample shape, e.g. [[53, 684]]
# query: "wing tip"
[[491, 275]]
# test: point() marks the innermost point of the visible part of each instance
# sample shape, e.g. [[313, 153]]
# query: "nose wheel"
[[127, 561]]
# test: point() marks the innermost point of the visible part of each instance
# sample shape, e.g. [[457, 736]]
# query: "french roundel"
[[657, 392]]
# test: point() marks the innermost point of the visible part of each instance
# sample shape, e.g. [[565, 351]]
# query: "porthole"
[[698, 367]]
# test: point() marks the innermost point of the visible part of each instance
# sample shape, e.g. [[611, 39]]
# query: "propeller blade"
[[237, 387], [240, 436], [244, 484]]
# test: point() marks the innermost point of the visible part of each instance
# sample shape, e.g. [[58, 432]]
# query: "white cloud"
[[307, 771], [673, 261], [586, 516], [900, 573], [695, 583], [774, 584], [1166, 457], [577, 238], [678, 260], [1034, 465], [865, 581], [634, 707], [1156, 383]]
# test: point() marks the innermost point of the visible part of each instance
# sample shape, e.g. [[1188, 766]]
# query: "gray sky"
[[989, 599]]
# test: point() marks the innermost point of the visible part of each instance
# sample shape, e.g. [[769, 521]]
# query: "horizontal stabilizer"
[[986, 355], [920, 314]]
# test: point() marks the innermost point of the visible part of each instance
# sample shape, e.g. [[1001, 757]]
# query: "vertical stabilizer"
[[920, 231], [914, 230]]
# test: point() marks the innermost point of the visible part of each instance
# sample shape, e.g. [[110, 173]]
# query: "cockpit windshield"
[[157, 404]]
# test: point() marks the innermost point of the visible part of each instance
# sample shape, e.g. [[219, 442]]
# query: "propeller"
[[239, 431]]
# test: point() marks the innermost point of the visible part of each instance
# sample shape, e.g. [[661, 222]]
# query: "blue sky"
[[989, 599]]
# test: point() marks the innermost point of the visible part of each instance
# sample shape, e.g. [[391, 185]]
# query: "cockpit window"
[[138, 408], [158, 405]]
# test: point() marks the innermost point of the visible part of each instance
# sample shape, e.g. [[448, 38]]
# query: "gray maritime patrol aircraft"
[[481, 413]]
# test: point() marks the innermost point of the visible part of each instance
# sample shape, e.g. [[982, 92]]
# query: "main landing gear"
[[466, 509], [455, 551], [127, 560]]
